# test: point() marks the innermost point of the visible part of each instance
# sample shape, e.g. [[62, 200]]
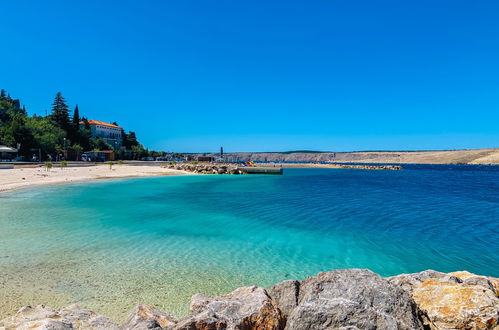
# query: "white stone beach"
[[27, 176]]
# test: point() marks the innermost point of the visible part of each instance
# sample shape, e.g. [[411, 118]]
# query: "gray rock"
[[243, 309], [42, 317], [349, 299], [285, 294], [147, 317], [85, 319], [410, 281]]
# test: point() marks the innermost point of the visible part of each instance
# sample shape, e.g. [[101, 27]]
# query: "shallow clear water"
[[110, 245]]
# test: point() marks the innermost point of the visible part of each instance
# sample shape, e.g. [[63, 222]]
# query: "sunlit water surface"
[[110, 245]]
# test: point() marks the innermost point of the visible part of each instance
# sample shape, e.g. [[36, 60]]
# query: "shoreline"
[[339, 298], [29, 177]]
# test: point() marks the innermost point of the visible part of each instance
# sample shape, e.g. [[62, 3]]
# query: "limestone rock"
[[286, 294], [470, 277], [454, 305], [147, 317], [85, 319], [42, 317], [243, 309], [410, 281], [348, 299]]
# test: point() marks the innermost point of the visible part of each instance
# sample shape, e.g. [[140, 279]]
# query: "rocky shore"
[[220, 168], [339, 299]]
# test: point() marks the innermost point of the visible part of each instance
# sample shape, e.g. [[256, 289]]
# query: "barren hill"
[[471, 156]]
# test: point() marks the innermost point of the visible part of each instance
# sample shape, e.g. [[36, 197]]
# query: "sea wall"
[[339, 299]]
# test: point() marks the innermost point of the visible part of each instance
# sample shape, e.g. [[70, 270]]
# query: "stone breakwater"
[[339, 299], [205, 168], [214, 168]]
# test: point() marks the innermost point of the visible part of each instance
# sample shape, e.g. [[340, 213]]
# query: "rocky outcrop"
[[458, 300], [340, 299], [349, 299], [243, 309]]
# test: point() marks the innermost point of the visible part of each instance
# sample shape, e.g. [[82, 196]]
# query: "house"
[[110, 133]]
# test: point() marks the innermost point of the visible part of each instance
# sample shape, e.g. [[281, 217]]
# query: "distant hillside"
[[471, 156]]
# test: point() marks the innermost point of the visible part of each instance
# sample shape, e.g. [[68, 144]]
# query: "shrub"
[[48, 166], [63, 163]]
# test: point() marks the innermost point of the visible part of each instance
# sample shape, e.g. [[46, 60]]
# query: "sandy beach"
[[22, 177]]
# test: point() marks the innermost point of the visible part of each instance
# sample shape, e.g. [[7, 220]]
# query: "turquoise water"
[[110, 245]]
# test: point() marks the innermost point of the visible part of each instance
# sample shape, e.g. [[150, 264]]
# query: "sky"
[[191, 76]]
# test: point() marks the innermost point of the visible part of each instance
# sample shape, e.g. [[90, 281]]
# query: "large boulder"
[[452, 303], [147, 317], [347, 299], [243, 309], [42, 317]]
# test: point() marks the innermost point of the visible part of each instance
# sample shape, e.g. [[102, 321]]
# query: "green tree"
[[76, 118], [78, 149], [45, 133], [60, 112]]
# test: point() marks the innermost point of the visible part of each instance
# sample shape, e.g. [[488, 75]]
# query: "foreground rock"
[[245, 308], [349, 299], [42, 317], [458, 300], [148, 317], [340, 299]]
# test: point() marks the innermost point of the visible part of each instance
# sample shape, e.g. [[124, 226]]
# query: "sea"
[[109, 245]]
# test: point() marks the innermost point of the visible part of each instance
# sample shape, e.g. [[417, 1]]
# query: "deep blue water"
[[159, 240]]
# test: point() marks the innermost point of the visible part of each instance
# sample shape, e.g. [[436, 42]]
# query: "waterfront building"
[[110, 133]]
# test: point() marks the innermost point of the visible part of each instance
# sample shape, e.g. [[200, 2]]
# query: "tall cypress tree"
[[60, 112], [76, 118]]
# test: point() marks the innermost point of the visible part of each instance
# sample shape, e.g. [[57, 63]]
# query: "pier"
[[261, 170]]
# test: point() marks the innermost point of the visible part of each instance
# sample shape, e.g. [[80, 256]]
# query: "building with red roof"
[[110, 133]]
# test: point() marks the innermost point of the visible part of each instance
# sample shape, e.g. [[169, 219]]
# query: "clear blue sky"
[[264, 75]]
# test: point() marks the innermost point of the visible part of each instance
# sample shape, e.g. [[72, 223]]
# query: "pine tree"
[[76, 118], [3, 93], [60, 112]]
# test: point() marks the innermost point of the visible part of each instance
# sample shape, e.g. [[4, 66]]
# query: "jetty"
[[222, 168], [261, 170]]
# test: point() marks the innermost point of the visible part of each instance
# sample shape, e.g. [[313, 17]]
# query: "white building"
[[110, 133]]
